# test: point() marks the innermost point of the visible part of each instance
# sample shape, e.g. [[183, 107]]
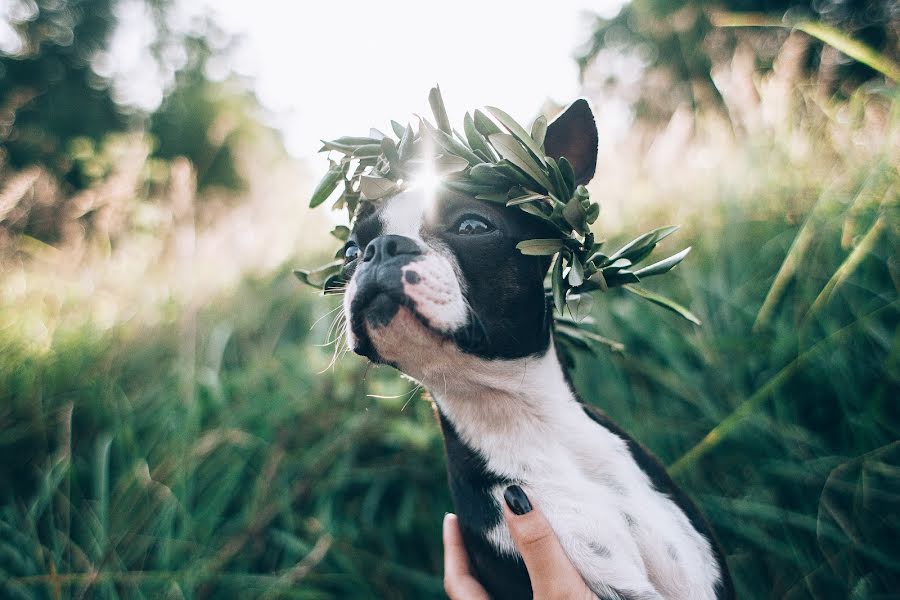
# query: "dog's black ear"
[[573, 134]]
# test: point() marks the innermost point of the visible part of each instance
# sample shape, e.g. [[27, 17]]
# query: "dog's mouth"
[[375, 308]]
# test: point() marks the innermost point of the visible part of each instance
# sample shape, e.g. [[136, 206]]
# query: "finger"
[[551, 572], [458, 581]]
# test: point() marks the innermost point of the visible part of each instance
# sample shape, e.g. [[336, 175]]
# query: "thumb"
[[551, 572]]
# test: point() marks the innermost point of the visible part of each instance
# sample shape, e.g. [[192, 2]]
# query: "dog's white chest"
[[618, 531]]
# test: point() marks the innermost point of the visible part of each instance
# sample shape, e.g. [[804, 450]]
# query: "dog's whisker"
[[330, 312]]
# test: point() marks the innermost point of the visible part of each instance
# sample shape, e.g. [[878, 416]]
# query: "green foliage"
[[49, 94], [679, 43], [51, 98]]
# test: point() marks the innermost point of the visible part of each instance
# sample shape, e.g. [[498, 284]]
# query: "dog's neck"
[[487, 401]]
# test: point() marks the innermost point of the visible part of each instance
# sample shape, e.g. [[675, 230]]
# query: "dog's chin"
[[390, 330]]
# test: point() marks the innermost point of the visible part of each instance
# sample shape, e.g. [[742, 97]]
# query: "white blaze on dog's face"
[[435, 278]]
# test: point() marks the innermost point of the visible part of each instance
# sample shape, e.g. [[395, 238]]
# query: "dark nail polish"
[[516, 500]]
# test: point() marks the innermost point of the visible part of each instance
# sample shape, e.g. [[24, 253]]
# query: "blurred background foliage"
[[172, 426]]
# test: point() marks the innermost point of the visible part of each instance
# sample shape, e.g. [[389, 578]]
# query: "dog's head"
[[435, 273]]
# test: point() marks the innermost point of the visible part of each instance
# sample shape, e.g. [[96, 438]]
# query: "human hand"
[[552, 575]]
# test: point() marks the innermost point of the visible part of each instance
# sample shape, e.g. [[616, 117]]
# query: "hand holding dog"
[[552, 575]]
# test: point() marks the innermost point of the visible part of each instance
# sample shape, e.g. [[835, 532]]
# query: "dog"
[[437, 289]]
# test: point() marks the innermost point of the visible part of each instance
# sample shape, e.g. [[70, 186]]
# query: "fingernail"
[[516, 500]]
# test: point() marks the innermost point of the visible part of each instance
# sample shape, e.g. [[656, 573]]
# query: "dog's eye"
[[351, 252], [473, 226]]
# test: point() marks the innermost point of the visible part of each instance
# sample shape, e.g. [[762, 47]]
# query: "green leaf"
[[499, 197], [619, 263], [639, 244], [579, 306], [374, 188], [341, 232], [399, 129], [376, 134], [541, 247], [468, 187], [484, 125], [664, 302], [406, 143], [446, 164], [510, 149], [568, 173], [439, 110], [336, 147], [488, 175], [476, 140], [599, 279], [539, 130], [557, 285], [560, 188], [621, 277], [317, 277], [389, 149], [527, 198], [575, 215], [536, 210], [514, 174], [663, 266], [327, 185], [518, 132], [576, 273], [367, 150], [355, 141], [590, 336], [449, 144]]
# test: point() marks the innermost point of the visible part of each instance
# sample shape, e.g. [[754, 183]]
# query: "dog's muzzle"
[[378, 285]]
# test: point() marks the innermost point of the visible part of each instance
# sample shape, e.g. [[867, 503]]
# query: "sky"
[[326, 68], [330, 68]]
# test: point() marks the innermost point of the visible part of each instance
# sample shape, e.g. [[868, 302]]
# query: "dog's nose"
[[387, 246]]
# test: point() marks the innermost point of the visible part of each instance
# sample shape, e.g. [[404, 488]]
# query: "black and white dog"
[[438, 289]]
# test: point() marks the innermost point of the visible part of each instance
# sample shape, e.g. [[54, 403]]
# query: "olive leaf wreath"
[[496, 160]]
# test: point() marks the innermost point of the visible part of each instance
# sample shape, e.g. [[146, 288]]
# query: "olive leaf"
[[666, 303], [488, 174], [484, 125], [518, 132], [326, 186], [541, 247], [663, 266], [438, 109], [641, 243], [557, 285], [539, 130], [508, 148], [576, 273], [375, 188], [317, 277], [476, 141], [341, 232], [526, 198]]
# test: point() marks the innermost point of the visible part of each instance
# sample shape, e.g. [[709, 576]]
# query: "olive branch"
[[496, 160]]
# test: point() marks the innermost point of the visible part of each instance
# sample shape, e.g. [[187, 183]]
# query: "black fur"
[[470, 484]]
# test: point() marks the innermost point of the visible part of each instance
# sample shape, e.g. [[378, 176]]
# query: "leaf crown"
[[497, 160]]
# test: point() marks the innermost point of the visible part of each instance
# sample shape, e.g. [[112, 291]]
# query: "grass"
[[214, 452]]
